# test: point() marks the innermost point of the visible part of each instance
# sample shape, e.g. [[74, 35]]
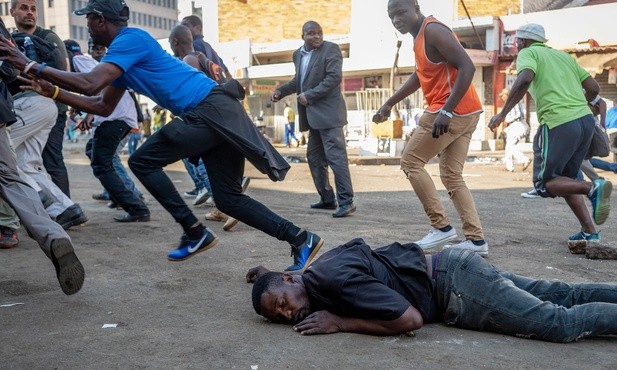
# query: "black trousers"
[[53, 160], [192, 135]]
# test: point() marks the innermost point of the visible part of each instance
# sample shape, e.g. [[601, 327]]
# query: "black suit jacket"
[[322, 88]]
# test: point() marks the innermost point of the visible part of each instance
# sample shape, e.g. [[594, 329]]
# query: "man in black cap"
[[209, 122]]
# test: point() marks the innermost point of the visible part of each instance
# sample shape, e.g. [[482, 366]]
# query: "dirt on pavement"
[[198, 313]]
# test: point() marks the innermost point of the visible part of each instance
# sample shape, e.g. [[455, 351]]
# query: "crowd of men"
[[393, 289]]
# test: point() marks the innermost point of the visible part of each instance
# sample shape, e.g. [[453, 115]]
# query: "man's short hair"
[[262, 285], [13, 4], [193, 20]]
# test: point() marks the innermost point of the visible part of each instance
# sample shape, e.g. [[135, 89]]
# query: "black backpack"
[[46, 51]]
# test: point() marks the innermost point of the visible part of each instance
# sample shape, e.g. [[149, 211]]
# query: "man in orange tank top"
[[444, 71]]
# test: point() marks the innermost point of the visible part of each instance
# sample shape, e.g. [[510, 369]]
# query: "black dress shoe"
[[324, 205], [345, 210], [133, 218]]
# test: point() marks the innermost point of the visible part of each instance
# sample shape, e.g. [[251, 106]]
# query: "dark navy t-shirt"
[[151, 71], [353, 280]]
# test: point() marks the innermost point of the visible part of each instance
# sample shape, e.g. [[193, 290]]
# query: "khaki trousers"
[[452, 149]]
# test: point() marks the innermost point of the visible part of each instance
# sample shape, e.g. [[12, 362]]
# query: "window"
[[50, 3], [52, 29], [73, 32]]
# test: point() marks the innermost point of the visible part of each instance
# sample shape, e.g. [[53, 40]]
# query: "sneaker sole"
[[230, 223], [246, 184], [200, 201], [437, 243], [312, 255], [69, 270], [207, 247], [601, 212]]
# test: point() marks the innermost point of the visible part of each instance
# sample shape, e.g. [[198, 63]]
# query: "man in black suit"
[[322, 111]]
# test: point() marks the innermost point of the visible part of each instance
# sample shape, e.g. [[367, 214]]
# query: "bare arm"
[[90, 83], [518, 91], [409, 87], [324, 322], [442, 40], [592, 89], [101, 105]]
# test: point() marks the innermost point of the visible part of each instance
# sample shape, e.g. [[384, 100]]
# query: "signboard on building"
[[262, 87], [508, 43], [353, 84]]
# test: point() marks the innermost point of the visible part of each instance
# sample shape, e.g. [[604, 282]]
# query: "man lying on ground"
[[396, 289]]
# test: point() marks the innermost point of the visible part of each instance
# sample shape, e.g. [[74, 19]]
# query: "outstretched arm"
[[324, 322], [518, 91], [90, 83]]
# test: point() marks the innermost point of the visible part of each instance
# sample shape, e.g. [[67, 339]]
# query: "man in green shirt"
[[563, 92]]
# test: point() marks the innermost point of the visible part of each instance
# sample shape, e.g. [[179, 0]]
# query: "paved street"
[[197, 313]]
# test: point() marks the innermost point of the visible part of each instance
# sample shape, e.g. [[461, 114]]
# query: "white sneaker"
[[201, 197], [210, 202], [436, 237], [468, 244], [530, 194]]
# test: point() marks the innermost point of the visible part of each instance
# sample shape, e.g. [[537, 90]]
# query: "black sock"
[[445, 229], [195, 232], [478, 242], [299, 238]]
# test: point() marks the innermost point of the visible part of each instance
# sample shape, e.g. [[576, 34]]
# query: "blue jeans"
[[603, 165], [290, 132], [134, 138], [119, 167], [198, 174], [104, 147], [474, 295]]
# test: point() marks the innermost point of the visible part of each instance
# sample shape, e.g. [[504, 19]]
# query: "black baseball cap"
[[110, 9]]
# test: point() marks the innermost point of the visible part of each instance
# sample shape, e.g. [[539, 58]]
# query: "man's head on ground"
[[528, 34], [25, 14], [281, 298], [181, 40], [105, 18], [405, 15], [97, 51], [312, 34], [194, 24]]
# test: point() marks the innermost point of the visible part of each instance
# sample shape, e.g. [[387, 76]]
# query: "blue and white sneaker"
[[580, 236], [305, 252], [600, 197], [188, 248]]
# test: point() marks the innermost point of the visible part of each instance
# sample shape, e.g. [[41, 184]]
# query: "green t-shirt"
[[556, 87]]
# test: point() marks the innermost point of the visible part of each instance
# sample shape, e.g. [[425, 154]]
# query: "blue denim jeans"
[[119, 167], [603, 165], [474, 295], [198, 174], [290, 132], [134, 138], [104, 147]]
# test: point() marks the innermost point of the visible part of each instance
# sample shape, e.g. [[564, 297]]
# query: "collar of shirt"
[[305, 58]]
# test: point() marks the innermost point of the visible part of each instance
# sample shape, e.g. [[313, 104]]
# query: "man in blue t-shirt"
[[209, 123], [611, 117]]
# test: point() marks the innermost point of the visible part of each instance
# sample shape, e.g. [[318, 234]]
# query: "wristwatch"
[[445, 113]]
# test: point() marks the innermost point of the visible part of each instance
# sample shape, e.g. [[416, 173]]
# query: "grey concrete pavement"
[[197, 313]]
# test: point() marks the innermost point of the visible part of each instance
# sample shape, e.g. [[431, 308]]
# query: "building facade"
[[157, 17]]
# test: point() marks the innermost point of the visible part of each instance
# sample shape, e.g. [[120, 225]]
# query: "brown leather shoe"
[[216, 215]]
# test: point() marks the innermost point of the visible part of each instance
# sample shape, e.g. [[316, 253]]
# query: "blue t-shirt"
[[611, 118], [151, 71]]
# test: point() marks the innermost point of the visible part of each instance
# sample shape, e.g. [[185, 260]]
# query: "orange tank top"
[[437, 79]]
